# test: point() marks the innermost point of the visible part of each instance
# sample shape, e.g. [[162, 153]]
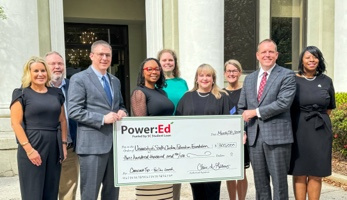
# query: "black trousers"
[[40, 182]]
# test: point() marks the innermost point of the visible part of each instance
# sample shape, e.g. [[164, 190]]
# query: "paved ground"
[[9, 190]]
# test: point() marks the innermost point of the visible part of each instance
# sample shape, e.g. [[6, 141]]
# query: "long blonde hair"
[[216, 91], [26, 78]]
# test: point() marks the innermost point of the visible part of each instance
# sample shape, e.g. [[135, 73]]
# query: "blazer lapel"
[[111, 78], [95, 80], [253, 83]]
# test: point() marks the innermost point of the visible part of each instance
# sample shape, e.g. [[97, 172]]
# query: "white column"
[[264, 19], [201, 37], [57, 26], [19, 41], [340, 58], [154, 27]]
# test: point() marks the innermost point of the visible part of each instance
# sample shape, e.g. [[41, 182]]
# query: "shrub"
[[2, 13], [340, 97], [339, 125]]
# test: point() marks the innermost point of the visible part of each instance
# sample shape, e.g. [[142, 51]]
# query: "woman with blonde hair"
[[38, 120], [206, 98], [232, 73]]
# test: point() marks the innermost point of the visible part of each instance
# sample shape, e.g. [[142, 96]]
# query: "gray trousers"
[[270, 160], [95, 170]]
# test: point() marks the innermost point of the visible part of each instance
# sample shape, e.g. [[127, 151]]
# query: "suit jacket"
[[274, 106], [87, 104], [72, 123]]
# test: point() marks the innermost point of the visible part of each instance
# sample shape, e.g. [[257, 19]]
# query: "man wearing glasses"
[[70, 167], [95, 102]]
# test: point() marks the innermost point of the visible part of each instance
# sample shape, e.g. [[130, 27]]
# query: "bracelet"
[[31, 152], [64, 142], [24, 143]]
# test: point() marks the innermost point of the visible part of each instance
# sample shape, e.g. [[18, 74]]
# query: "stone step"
[[8, 154]]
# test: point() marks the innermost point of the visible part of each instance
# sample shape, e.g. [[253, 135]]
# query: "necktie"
[[107, 90], [262, 85]]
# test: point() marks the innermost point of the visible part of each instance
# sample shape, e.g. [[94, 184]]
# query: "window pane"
[[240, 32], [287, 30]]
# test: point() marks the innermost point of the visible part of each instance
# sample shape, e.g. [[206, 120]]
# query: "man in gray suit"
[[265, 101], [95, 102]]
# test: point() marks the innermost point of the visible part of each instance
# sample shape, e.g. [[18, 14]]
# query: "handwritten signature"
[[212, 166]]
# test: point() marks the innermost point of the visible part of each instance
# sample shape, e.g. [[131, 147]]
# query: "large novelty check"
[[175, 149]]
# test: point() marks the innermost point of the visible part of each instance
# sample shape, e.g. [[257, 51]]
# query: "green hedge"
[[339, 124]]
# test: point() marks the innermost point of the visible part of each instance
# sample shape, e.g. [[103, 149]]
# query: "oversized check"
[[175, 149]]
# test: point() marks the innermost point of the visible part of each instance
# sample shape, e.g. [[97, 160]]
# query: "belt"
[[69, 145]]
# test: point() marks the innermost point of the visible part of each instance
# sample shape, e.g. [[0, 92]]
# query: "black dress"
[[193, 103], [157, 104], [41, 113], [311, 151], [234, 97]]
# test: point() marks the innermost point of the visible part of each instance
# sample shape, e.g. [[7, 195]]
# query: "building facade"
[[204, 31]]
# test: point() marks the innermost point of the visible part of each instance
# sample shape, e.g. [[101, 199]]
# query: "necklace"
[[206, 95], [309, 79]]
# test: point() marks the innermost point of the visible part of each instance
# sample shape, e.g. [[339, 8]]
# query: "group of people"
[[287, 125]]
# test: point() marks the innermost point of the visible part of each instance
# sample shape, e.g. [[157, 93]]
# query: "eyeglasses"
[[232, 71], [149, 69], [108, 55], [56, 63]]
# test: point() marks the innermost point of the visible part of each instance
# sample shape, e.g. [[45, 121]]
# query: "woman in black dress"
[[38, 120], [148, 99], [232, 73], [204, 99], [314, 100]]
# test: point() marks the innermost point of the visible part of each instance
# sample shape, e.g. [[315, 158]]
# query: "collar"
[[63, 83], [98, 74], [261, 71]]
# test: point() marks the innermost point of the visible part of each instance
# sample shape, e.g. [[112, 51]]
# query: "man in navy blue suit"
[[70, 167]]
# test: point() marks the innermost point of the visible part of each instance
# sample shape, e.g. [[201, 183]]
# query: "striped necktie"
[[262, 85]]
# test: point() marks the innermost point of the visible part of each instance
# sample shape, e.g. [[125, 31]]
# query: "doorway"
[[78, 40]]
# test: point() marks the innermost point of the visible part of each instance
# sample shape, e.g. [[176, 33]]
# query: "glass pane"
[[78, 40], [287, 30], [240, 18]]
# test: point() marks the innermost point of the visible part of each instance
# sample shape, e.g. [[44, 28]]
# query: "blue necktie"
[[107, 90]]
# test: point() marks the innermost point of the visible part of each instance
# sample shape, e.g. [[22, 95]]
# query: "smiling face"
[[56, 65], [38, 74], [310, 62], [232, 74], [151, 73], [267, 54], [167, 62], [101, 58], [205, 81]]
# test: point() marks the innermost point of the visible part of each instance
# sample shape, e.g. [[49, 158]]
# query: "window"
[[240, 32], [288, 30]]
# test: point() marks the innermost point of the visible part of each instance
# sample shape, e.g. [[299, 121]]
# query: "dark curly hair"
[[141, 79], [316, 53]]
